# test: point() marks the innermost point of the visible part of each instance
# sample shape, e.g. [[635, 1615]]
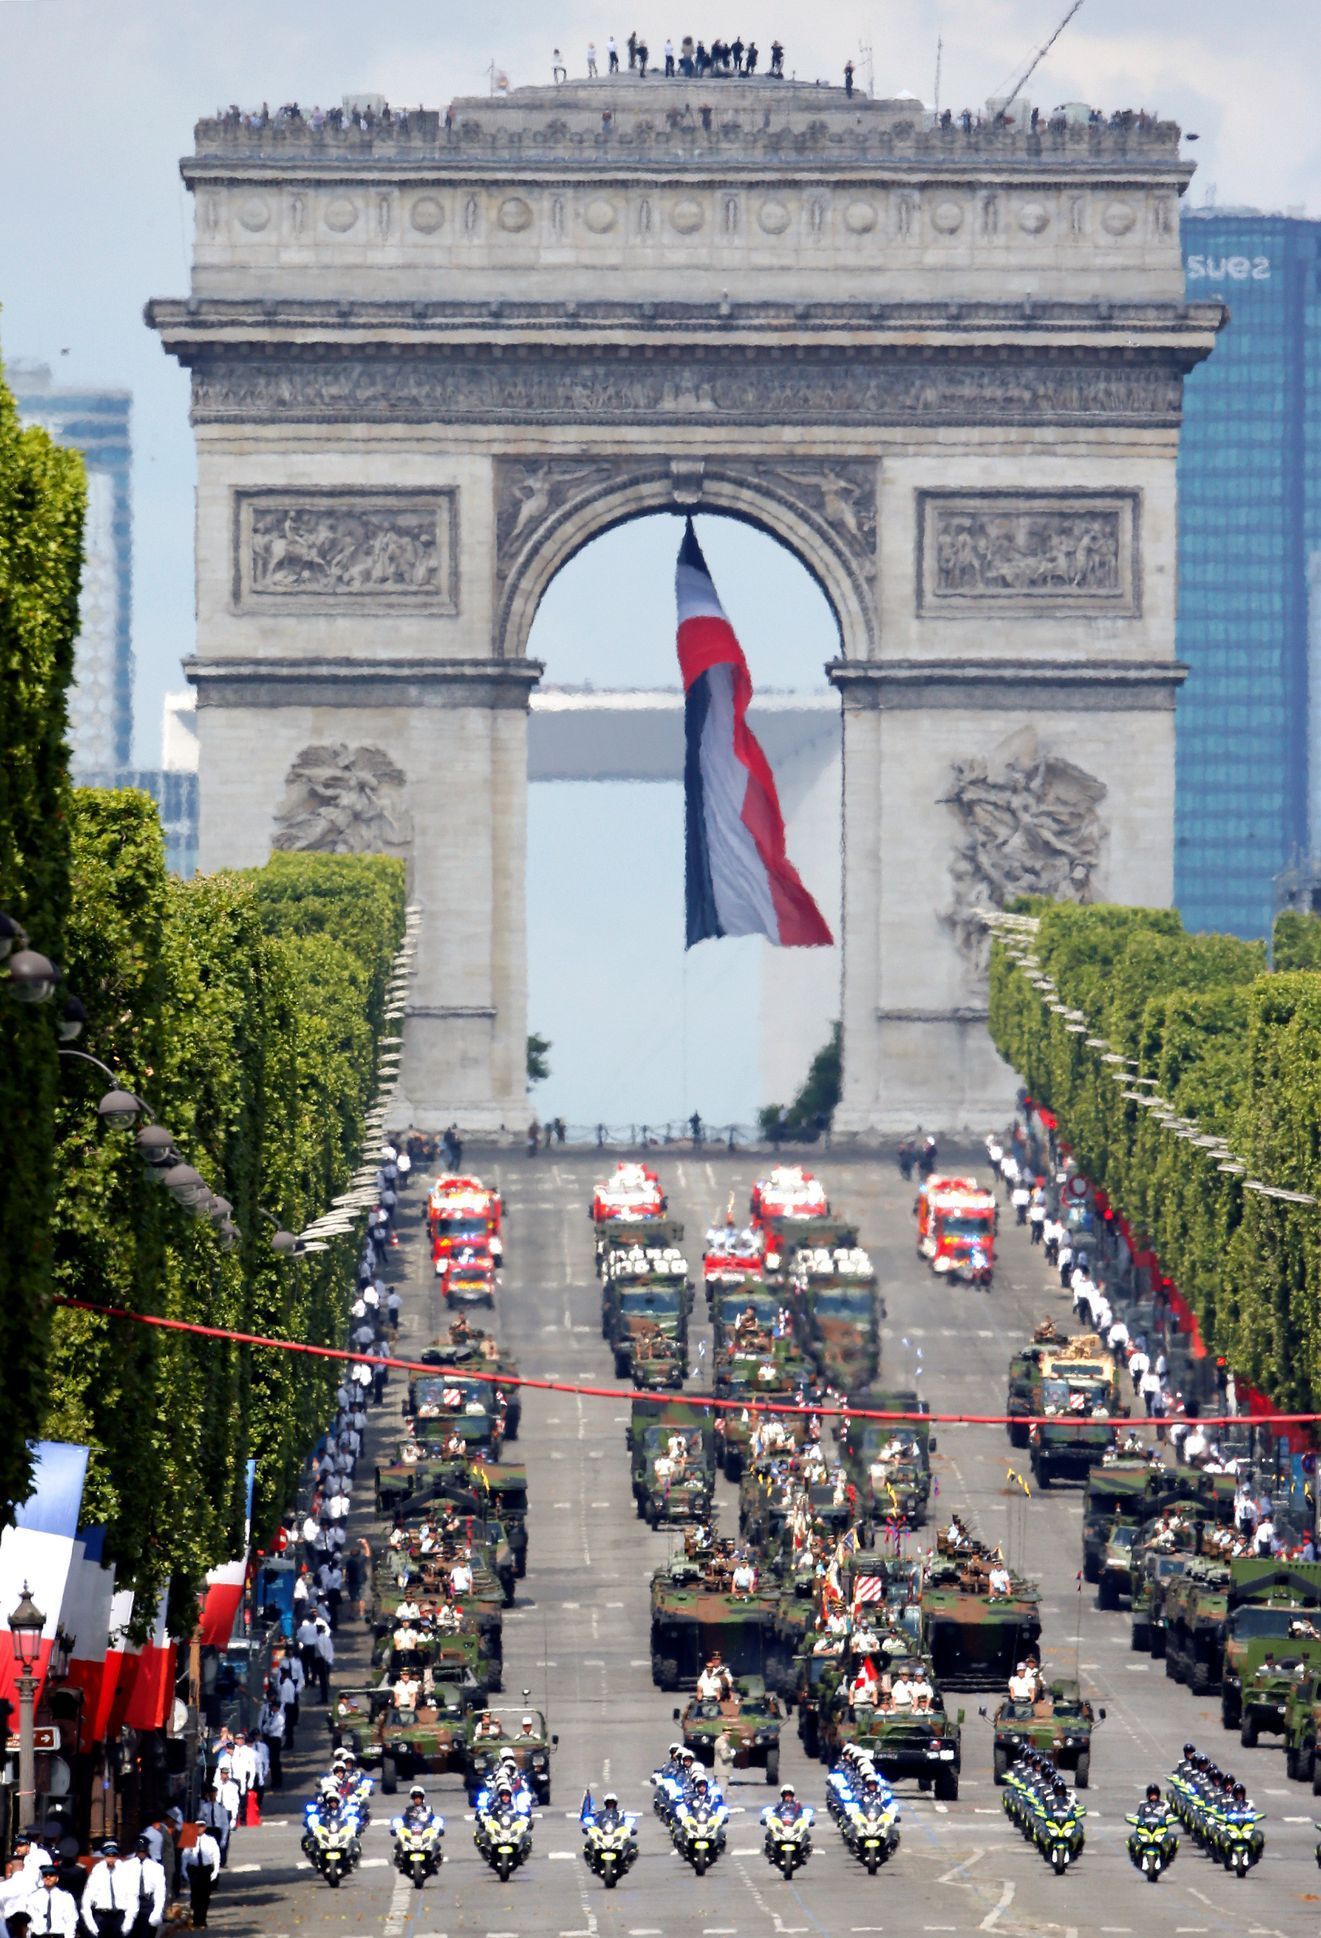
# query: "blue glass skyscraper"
[[1249, 547]]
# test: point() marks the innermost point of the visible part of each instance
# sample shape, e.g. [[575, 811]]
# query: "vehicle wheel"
[[1291, 1763], [1316, 1774], [1082, 1776], [947, 1785], [1000, 1764], [1017, 1435], [505, 1867], [773, 1764], [389, 1776], [669, 1672], [924, 1784], [1157, 1645], [1172, 1668], [1139, 1639], [419, 1879], [1247, 1732], [1059, 1858], [610, 1878], [873, 1863], [621, 1366], [1041, 1474], [1199, 1679], [332, 1879], [810, 1732], [700, 1863], [1091, 1569], [1107, 1593]]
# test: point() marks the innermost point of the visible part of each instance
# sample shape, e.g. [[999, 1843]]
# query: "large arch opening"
[[642, 1031]]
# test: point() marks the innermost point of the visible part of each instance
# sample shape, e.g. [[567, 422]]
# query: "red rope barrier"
[[630, 1393]]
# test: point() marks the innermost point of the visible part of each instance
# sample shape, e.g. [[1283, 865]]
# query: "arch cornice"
[[821, 510]]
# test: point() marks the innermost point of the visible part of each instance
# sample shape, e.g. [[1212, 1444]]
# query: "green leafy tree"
[[538, 1058]]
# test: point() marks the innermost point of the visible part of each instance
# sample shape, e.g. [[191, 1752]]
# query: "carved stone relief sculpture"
[[1029, 823], [1039, 552], [381, 551], [342, 800]]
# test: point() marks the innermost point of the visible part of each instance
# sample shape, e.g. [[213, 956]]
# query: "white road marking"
[[560, 1857], [948, 1877], [400, 1899], [992, 1918]]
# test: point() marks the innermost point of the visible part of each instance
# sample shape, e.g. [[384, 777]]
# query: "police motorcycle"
[[330, 1836], [610, 1838], [1216, 1812], [870, 1823], [788, 1826], [354, 1785], [417, 1838], [1153, 1842], [670, 1783], [503, 1829], [699, 1824], [1237, 1838], [1046, 1811]]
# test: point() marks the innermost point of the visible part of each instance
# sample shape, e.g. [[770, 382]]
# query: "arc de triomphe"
[[430, 363]]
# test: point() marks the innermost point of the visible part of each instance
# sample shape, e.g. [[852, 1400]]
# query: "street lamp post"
[[26, 1625]]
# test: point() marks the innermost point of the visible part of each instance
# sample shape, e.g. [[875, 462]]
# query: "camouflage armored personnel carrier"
[[1073, 1381], [469, 1346], [446, 1407], [1060, 1726], [1264, 1676], [751, 1371], [1151, 1581], [1121, 1489], [975, 1639], [751, 1721], [695, 1612], [889, 1462], [492, 1734], [1272, 1608]]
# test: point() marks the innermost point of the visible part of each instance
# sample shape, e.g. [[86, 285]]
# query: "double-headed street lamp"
[[26, 1625]]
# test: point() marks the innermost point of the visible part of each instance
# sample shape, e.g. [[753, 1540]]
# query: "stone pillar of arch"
[[432, 360]]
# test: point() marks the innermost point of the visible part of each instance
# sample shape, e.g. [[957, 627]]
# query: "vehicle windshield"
[[1122, 1537], [1245, 1623], [838, 1303], [461, 1227], [964, 1225], [664, 1304], [1169, 1564]]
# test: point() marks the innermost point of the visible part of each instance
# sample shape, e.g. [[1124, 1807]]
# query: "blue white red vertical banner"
[[40, 1551], [739, 879], [224, 1585]]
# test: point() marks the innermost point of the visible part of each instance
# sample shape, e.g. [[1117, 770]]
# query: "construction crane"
[[1037, 59]]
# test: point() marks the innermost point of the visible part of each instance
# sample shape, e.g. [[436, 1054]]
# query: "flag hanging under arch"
[[739, 879]]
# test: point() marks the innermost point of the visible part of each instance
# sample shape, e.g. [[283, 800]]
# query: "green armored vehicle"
[[837, 1315], [1151, 1582], [1196, 1605], [1273, 1607], [654, 1310], [466, 1346], [1122, 1489], [696, 1611], [424, 1740], [448, 1408], [767, 1370], [497, 1488], [755, 1304], [751, 1720], [904, 1742], [1072, 1385], [1060, 1726], [493, 1734], [973, 1637], [889, 1462]]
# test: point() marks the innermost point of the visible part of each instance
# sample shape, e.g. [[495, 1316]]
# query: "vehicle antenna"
[[1037, 59], [940, 46]]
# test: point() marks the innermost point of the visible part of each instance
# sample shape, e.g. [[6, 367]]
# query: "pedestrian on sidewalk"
[[270, 1722], [325, 1659], [288, 1688]]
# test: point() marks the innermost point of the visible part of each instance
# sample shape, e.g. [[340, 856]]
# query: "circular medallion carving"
[[341, 214], [687, 217], [255, 215], [860, 218], [426, 215], [946, 217], [600, 216], [515, 214], [1033, 217], [1119, 218], [773, 217]]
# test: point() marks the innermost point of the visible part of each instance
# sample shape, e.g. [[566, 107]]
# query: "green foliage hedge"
[[246, 1010], [42, 499], [1234, 1049]]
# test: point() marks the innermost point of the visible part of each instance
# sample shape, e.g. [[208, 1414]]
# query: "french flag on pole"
[[739, 879]]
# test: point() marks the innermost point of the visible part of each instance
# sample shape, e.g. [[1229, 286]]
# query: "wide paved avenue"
[[577, 1638]]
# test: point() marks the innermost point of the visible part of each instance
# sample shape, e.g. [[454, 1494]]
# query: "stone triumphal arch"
[[431, 360]]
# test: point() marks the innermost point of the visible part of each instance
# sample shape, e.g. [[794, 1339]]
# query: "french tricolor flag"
[[39, 1550], [739, 879]]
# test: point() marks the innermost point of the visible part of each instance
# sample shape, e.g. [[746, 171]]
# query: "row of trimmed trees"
[[1233, 1049], [246, 1010]]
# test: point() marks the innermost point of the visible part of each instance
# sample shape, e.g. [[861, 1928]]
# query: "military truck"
[[1123, 1489], [837, 1318], [788, 1237], [975, 1639], [695, 1612], [635, 1311], [1154, 1573], [1302, 1721], [751, 1721], [1073, 1382], [1059, 1725], [667, 1493], [482, 1352], [615, 1235], [490, 1735], [1196, 1605], [752, 1302], [445, 1406], [1271, 1607]]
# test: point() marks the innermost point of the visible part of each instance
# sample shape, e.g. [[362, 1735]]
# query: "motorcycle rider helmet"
[[675, 1751], [417, 1794], [610, 1801], [786, 1792], [702, 1783], [1153, 1793], [1189, 1751], [1240, 1793], [331, 1804], [503, 1792]]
